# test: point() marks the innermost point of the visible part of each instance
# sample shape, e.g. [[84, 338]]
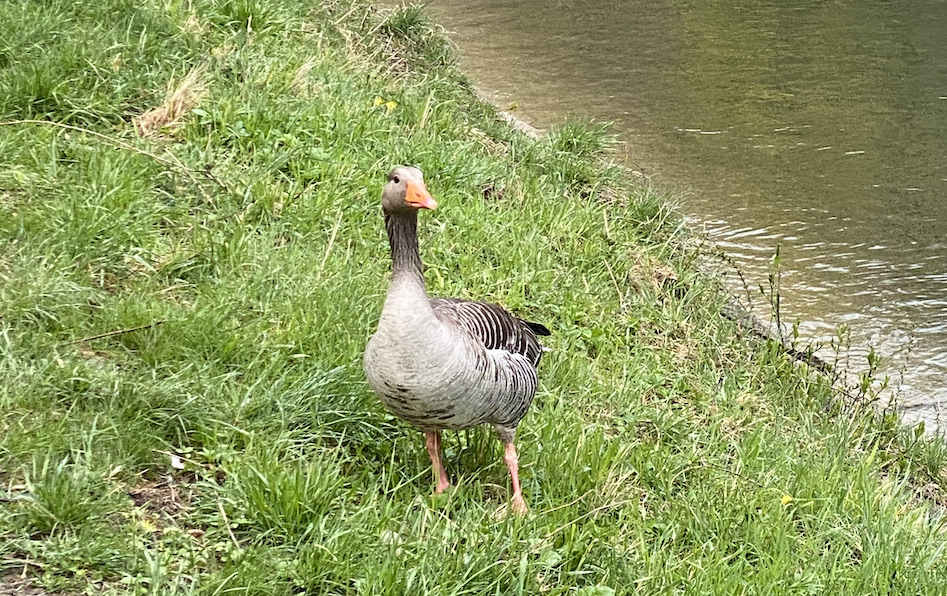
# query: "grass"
[[192, 259]]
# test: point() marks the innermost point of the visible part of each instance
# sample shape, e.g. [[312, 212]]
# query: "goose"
[[446, 363]]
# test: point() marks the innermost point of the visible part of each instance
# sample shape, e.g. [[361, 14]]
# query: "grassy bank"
[[192, 258]]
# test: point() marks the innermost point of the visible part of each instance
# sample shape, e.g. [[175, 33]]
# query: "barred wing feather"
[[493, 326]]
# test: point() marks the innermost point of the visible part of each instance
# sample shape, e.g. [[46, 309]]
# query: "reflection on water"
[[817, 127]]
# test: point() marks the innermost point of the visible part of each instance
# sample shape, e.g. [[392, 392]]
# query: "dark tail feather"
[[538, 328]]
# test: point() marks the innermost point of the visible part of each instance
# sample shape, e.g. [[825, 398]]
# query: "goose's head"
[[405, 191]]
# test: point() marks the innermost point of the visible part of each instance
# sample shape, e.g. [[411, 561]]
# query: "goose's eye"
[[396, 180]]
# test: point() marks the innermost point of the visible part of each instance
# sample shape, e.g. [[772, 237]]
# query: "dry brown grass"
[[301, 85], [180, 100]]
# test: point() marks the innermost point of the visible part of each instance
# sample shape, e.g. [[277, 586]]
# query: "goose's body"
[[443, 363]]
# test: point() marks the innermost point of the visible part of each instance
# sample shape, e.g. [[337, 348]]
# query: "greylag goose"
[[444, 363]]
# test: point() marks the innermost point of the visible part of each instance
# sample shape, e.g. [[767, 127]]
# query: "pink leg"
[[433, 442], [517, 503]]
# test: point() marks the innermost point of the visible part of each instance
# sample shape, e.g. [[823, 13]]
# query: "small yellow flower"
[[786, 500], [389, 105]]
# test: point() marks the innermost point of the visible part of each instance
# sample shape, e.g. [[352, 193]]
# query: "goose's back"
[[492, 326]]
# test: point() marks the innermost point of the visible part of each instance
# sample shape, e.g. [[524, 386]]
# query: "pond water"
[[816, 127]]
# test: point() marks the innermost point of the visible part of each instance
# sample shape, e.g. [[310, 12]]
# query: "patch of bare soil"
[[161, 501], [13, 584]]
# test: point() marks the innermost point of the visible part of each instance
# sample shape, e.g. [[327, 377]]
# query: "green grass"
[[182, 317]]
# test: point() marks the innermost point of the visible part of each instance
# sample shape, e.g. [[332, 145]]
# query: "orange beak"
[[418, 197]]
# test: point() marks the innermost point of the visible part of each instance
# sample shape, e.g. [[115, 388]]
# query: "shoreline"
[[849, 385]]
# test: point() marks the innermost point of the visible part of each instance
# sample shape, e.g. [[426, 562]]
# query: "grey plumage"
[[444, 363], [495, 327]]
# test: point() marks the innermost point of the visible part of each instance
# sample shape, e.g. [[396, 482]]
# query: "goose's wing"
[[493, 326]]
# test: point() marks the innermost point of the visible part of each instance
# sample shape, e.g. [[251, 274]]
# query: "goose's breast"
[[450, 388]]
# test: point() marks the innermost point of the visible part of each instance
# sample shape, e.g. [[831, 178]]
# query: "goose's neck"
[[405, 258]]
